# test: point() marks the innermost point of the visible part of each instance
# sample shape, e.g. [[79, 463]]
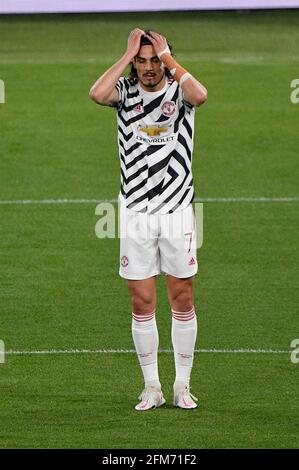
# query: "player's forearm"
[[194, 92], [104, 87]]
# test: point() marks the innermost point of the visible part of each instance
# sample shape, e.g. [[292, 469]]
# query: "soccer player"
[[155, 109]]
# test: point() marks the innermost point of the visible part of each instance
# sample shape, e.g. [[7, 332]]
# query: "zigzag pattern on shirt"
[[158, 173]]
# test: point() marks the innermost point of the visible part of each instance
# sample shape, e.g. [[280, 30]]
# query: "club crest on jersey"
[[138, 108], [168, 108], [124, 261]]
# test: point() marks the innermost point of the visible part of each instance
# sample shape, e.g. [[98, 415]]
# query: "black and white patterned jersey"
[[155, 138]]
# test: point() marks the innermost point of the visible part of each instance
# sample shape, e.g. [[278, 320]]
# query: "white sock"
[[146, 340], [183, 333]]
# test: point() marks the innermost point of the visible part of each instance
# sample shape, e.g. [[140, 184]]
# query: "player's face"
[[150, 70]]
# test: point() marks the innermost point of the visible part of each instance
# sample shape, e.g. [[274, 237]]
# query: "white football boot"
[[151, 397], [182, 398]]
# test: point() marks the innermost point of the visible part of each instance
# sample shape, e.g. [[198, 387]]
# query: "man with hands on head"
[[105, 93], [155, 114]]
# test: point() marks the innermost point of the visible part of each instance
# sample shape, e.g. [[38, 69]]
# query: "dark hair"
[[145, 41]]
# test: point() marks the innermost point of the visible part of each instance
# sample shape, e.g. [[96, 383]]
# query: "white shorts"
[[155, 243]]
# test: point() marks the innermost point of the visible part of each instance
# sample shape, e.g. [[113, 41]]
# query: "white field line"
[[231, 60], [131, 351], [115, 200]]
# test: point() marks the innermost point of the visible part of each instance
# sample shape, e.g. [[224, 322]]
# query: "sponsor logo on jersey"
[[168, 108], [153, 134], [159, 140], [153, 131]]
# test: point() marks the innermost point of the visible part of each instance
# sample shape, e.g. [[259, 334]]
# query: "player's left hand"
[[159, 42]]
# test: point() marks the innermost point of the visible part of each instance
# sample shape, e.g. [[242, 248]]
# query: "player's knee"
[[182, 300], [143, 303]]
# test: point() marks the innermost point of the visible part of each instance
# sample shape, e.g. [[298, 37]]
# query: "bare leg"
[[180, 293], [143, 295]]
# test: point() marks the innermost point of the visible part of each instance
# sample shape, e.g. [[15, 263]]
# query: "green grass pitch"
[[60, 288]]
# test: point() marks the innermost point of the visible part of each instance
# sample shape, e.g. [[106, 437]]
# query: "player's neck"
[[158, 87]]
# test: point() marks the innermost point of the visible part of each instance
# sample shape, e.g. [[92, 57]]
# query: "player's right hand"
[[134, 42]]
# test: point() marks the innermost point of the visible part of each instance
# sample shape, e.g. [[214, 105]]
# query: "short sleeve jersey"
[[155, 138]]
